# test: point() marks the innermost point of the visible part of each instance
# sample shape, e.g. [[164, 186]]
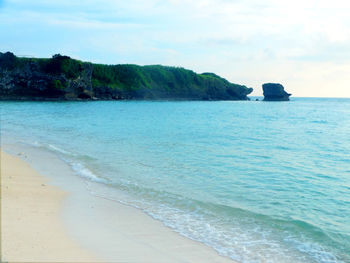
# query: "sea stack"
[[275, 92]]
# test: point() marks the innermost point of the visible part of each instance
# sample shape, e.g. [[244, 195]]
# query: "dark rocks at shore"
[[275, 92]]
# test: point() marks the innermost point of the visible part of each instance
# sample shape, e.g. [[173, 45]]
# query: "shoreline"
[[96, 227]]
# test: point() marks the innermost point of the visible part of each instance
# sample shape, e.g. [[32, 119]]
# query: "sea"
[[257, 181]]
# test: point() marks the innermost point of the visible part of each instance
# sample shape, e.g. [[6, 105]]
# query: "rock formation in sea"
[[64, 78], [275, 92]]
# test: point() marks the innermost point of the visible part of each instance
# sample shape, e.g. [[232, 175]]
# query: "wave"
[[240, 234], [57, 149], [77, 166], [50, 147], [84, 172]]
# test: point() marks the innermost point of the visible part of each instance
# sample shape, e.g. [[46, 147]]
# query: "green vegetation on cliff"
[[61, 77]]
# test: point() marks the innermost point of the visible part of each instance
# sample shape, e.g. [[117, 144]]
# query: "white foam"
[[84, 172], [57, 149]]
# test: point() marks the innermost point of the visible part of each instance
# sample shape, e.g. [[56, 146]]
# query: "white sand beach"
[[31, 229]]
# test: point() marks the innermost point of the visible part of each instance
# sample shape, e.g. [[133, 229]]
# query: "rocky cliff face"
[[275, 92], [63, 78], [29, 79]]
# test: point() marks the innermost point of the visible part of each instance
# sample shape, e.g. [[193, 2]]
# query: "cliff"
[[64, 78], [275, 92]]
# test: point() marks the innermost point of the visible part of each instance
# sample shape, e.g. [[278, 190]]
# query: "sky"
[[302, 44]]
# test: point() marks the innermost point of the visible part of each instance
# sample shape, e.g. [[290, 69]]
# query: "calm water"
[[258, 181]]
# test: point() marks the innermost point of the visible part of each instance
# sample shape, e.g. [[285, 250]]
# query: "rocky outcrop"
[[275, 92], [64, 78], [34, 80]]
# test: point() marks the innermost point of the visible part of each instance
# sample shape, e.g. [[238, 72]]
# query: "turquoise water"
[[257, 181]]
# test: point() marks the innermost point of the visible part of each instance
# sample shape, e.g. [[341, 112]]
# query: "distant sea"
[[257, 181]]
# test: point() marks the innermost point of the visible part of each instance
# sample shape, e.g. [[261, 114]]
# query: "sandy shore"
[[30, 227], [40, 222]]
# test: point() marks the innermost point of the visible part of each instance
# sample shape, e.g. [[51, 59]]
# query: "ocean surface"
[[257, 181]]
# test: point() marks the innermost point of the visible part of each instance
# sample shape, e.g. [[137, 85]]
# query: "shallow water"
[[258, 181]]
